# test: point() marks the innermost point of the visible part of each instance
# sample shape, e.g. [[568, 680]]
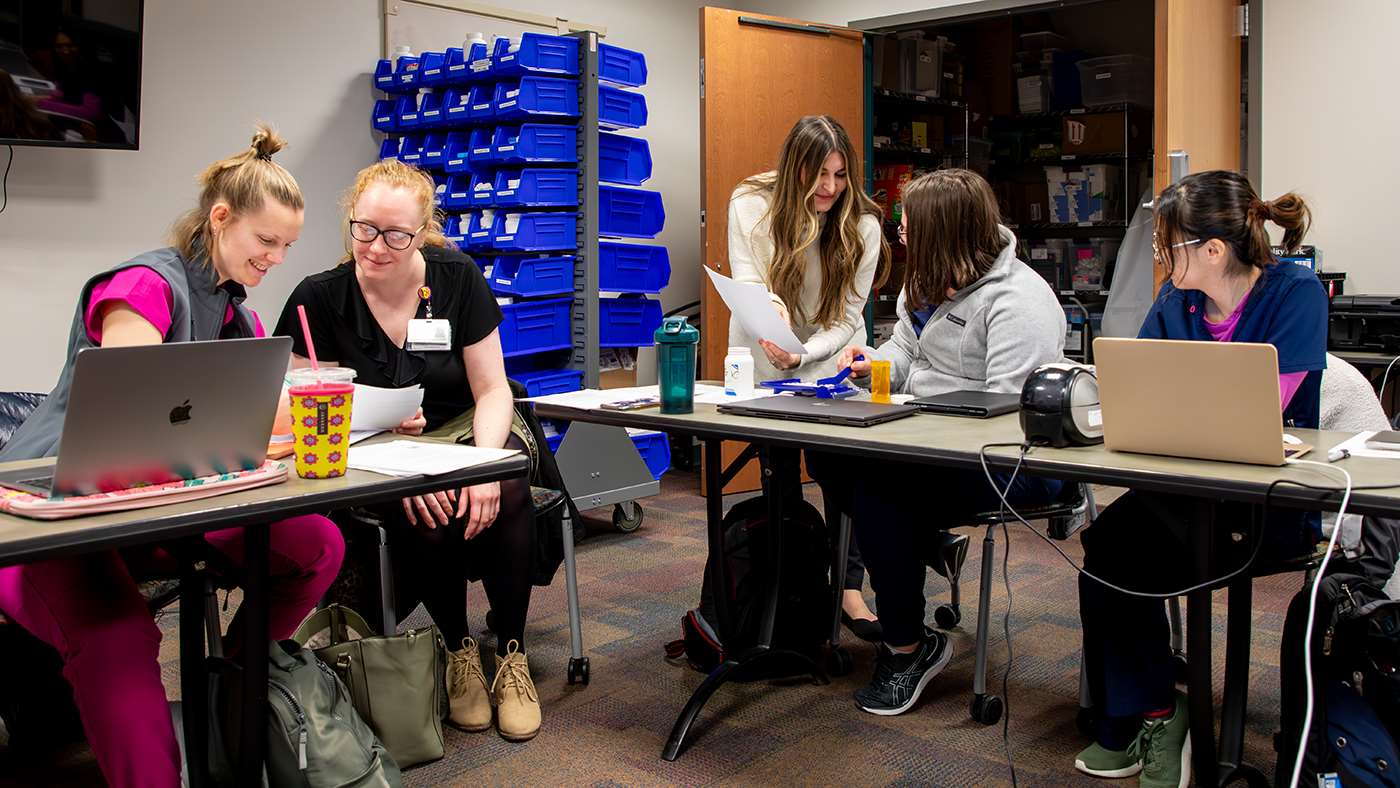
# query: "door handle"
[[761, 22]]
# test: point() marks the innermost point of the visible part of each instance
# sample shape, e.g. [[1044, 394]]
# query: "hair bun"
[[266, 142], [1260, 211]]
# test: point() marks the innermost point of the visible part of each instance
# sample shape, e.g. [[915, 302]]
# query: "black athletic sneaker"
[[900, 678]]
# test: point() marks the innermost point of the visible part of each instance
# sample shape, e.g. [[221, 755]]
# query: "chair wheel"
[[491, 620], [839, 661], [947, 616], [627, 517], [1182, 667], [1087, 721], [986, 709], [578, 671]]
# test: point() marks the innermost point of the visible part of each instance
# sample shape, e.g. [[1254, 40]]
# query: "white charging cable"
[[1312, 616], [1386, 377]]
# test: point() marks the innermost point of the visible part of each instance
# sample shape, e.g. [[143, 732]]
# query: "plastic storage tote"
[[621, 66], [458, 194], [623, 159], [627, 322], [481, 230], [480, 105], [1115, 80], [408, 113], [536, 326], [453, 230], [454, 151], [479, 156], [655, 449], [534, 232], [621, 109], [537, 97], [430, 111], [632, 268], [456, 107], [386, 115], [537, 187], [533, 276], [434, 144], [537, 53], [384, 76], [430, 69], [389, 148], [541, 382], [411, 149], [536, 143], [483, 191], [406, 73], [629, 213]]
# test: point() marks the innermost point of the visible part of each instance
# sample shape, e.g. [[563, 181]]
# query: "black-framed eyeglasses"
[[398, 240], [903, 234]]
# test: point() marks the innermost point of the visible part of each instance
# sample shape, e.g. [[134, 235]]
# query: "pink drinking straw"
[[306, 332]]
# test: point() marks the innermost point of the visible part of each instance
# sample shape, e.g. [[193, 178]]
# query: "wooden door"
[[759, 74], [1197, 90]]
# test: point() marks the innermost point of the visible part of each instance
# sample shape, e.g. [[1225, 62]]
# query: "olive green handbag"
[[395, 681]]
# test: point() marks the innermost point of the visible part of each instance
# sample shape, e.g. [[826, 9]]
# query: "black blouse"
[[346, 332]]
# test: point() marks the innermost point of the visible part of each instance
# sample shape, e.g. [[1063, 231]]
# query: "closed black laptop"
[[977, 404], [850, 413]]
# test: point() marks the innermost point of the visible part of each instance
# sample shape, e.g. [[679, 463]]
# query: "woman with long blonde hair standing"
[[816, 243]]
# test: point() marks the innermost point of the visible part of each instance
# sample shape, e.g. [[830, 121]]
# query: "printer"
[[1364, 322]]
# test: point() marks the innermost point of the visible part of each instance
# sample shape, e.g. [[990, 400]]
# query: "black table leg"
[[253, 738], [1200, 688], [194, 676], [779, 468]]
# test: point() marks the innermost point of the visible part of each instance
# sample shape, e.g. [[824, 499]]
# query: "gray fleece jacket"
[[989, 337]]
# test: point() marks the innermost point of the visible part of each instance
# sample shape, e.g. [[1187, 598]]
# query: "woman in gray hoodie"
[[971, 317]]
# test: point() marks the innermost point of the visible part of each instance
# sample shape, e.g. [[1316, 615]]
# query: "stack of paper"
[[377, 409], [421, 458]]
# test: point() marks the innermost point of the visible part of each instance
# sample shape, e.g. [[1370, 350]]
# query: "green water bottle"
[[676, 340]]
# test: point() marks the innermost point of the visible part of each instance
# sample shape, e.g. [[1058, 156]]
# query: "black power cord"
[[5, 181]]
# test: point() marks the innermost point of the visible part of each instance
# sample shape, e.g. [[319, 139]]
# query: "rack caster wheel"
[[947, 616], [838, 662], [1182, 668], [1086, 720], [986, 709], [627, 516], [578, 671]]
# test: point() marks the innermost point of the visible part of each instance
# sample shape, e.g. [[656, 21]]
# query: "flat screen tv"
[[70, 73]]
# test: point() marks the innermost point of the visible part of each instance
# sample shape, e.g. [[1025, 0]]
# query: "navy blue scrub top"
[[1287, 309]]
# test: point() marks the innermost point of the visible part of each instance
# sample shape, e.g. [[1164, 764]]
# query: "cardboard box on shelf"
[[1099, 134], [617, 368]]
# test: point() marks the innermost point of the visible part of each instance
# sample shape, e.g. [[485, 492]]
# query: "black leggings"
[[433, 565]]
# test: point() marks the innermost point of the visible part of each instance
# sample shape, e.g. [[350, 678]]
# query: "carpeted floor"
[[634, 589]]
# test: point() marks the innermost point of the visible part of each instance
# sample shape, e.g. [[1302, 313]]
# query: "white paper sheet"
[[413, 458], [358, 435], [375, 408], [1356, 446], [749, 302]]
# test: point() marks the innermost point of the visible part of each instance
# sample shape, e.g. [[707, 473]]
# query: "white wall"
[[210, 70]]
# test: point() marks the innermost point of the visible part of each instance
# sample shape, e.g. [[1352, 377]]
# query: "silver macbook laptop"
[[850, 413], [156, 413]]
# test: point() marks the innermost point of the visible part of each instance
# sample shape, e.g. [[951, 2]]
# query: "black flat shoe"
[[866, 629]]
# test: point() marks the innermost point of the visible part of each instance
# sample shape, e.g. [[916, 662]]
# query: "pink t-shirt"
[[146, 293], [1224, 331]]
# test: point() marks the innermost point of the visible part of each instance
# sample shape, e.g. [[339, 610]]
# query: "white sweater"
[[750, 254]]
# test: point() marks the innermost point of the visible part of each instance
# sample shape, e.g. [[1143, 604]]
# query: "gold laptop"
[[1203, 400]]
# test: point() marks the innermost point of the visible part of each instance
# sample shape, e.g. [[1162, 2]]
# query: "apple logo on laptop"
[[180, 413]]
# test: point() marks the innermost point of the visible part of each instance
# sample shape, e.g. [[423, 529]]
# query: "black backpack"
[[804, 593], [1355, 651]]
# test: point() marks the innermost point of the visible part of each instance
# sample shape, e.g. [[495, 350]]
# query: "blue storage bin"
[[481, 106], [430, 112], [481, 230], [632, 268], [389, 148], [406, 73], [430, 69], [458, 70], [621, 109], [481, 62], [621, 66], [536, 326], [408, 113], [537, 53], [454, 151], [629, 213], [458, 194], [655, 449], [384, 76], [534, 232], [411, 149], [456, 108], [483, 190], [480, 155], [537, 97], [533, 276], [623, 159], [535, 143], [385, 117], [541, 382], [627, 321], [453, 230], [434, 144], [554, 441], [537, 187]]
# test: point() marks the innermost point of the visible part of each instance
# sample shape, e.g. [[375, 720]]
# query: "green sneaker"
[[1165, 748], [1098, 761]]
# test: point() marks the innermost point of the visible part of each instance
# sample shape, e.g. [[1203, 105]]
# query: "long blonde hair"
[[396, 174], [795, 226], [243, 181]]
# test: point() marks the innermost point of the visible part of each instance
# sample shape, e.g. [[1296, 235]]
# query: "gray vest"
[[197, 315]]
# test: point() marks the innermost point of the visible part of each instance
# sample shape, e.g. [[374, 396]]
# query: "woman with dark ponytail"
[[1224, 285]]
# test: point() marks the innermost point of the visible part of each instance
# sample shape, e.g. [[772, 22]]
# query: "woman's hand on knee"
[[432, 510], [483, 501]]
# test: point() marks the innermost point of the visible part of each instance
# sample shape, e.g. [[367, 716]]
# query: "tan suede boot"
[[469, 700], [517, 703]]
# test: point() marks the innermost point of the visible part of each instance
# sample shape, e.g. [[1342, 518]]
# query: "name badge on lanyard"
[[427, 333]]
